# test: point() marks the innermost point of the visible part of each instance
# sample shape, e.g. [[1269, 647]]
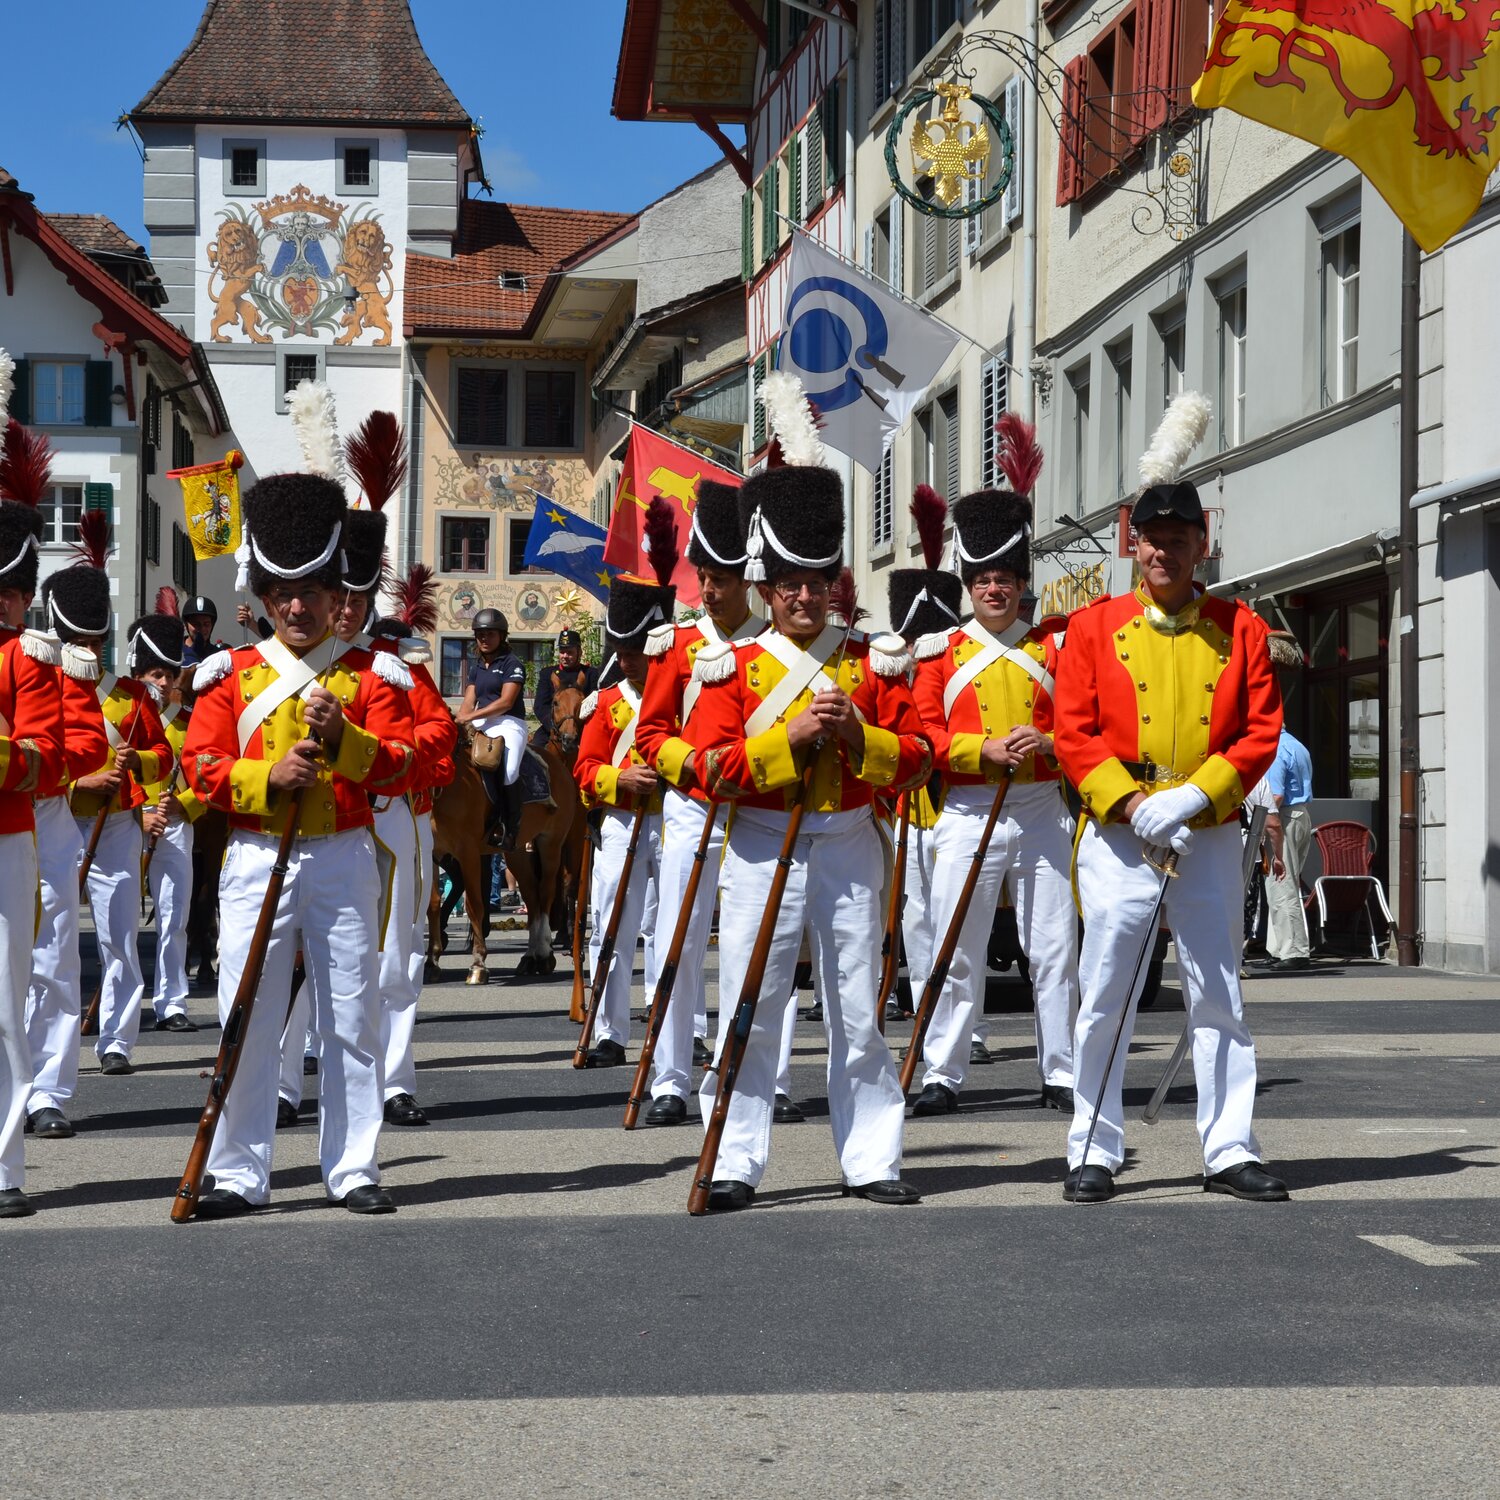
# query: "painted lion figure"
[[235, 259], [366, 259]]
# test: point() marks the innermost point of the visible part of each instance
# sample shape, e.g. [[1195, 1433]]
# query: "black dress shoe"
[[178, 1022], [221, 1203], [936, 1099], [605, 1055], [369, 1199], [115, 1064], [979, 1054], [1090, 1184], [286, 1114], [309, 1064], [786, 1112], [49, 1124], [893, 1191], [1248, 1180], [668, 1110], [703, 1054], [726, 1196], [1291, 965], [814, 1012], [14, 1204], [402, 1109], [1057, 1096], [893, 1009]]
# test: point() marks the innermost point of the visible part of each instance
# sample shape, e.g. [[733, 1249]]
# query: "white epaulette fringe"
[[714, 662], [414, 652], [79, 663], [888, 655], [659, 642], [934, 643], [587, 707], [390, 668], [211, 670], [42, 647]]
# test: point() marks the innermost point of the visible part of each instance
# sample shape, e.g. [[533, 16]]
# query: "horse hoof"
[[431, 973], [478, 975], [549, 964], [526, 965]]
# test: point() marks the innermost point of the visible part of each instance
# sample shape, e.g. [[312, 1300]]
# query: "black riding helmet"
[[491, 619]]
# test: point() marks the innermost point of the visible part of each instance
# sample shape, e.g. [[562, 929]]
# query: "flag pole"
[[1411, 766]]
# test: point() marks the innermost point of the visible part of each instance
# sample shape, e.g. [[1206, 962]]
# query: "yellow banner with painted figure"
[[211, 504], [1407, 91]]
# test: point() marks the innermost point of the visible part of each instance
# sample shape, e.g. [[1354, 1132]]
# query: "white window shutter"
[[952, 477], [1013, 110], [898, 45], [882, 35], [973, 192], [993, 399], [898, 245], [867, 248]]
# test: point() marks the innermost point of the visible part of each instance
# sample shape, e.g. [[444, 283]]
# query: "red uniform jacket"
[[131, 709], [595, 772], [434, 730], [762, 770], [31, 734], [85, 747], [375, 755], [989, 706], [664, 738], [1201, 703]]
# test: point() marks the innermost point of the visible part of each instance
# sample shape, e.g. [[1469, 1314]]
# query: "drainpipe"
[[1406, 870], [1025, 350]]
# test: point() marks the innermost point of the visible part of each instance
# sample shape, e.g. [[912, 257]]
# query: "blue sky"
[[540, 77]]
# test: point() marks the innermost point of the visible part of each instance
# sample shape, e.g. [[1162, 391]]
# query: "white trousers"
[[650, 909], [52, 1005], [916, 912], [18, 883], [171, 881], [114, 883], [396, 828], [296, 1042], [833, 887], [400, 1062], [613, 1023], [331, 895], [1287, 935], [512, 730], [682, 827], [1204, 907], [1033, 843]]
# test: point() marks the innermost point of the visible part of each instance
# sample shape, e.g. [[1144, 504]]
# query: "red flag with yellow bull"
[[654, 466], [1409, 92]]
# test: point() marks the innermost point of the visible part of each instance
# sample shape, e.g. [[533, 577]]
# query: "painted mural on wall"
[[512, 483], [532, 608], [284, 267]]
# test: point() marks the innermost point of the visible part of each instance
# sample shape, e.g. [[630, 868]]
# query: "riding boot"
[[510, 814], [494, 791]]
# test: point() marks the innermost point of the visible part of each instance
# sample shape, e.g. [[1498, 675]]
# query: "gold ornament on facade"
[[949, 148]]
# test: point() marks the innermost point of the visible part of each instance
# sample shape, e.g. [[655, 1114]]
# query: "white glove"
[[1163, 817]]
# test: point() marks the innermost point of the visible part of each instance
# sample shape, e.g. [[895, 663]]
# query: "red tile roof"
[[293, 61], [95, 234], [463, 295]]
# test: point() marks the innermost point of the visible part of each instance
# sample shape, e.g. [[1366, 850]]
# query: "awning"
[[1303, 572], [1471, 485]]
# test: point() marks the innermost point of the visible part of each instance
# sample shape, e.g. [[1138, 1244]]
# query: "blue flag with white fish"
[[564, 543]]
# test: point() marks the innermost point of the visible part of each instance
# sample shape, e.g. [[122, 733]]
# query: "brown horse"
[[567, 729], [460, 812]]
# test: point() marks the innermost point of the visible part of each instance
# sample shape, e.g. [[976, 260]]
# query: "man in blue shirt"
[[1290, 782]]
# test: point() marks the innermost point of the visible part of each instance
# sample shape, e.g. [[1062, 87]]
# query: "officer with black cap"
[[199, 617], [571, 671]]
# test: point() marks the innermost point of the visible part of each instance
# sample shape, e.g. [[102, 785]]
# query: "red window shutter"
[[1190, 51], [1153, 62], [1071, 136]]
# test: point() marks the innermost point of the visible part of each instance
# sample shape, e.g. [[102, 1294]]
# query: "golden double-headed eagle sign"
[[950, 149]]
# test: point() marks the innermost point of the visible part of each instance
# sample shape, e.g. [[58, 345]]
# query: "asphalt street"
[[542, 1316]]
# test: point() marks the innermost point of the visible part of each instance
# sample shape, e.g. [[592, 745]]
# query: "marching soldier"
[[665, 736], [154, 655], [571, 671], [294, 716], [1167, 713], [984, 690], [31, 757], [78, 607], [612, 774], [805, 694]]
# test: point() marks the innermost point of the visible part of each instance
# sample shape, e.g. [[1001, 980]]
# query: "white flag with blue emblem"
[[865, 358]]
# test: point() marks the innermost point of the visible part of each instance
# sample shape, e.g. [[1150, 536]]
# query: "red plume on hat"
[[843, 599], [92, 547], [376, 455], [1020, 455], [661, 540], [929, 513], [25, 465], [416, 599], [166, 601]]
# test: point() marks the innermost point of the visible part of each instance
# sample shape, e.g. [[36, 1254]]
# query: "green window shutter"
[[794, 178], [99, 497], [747, 235], [98, 385], [768, 214], [758, 434], [830, 117], [20, 398]]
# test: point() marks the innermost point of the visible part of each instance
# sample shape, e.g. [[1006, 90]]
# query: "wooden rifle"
[[580, 913], [611, 932]]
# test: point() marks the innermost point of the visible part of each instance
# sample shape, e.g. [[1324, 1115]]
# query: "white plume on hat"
[[7, 386], [1181, 430], [790, 419], [315, 420]]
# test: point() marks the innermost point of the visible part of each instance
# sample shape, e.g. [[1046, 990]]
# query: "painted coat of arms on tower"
[[297, 265]]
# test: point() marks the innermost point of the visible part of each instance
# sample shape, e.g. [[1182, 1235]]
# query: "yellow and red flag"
[[1409, 92], [211, 504], [654, 466]]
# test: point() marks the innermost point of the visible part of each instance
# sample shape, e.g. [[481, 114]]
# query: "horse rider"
[[571, 671], [494, 707]]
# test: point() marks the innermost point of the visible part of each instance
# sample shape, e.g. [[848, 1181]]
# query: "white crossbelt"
[[802, 670], [995, 648], [711, 633], [295, 675], [102, 692], [627, 735]]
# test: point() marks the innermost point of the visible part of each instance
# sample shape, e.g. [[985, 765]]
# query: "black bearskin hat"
[[391, 628], [992, 529], [364, 550], [634, 609], [717, 538], [293, 521], [154, 641], [20, 536], [794, 519], [77, 602], [610, 673], [924, 600]]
